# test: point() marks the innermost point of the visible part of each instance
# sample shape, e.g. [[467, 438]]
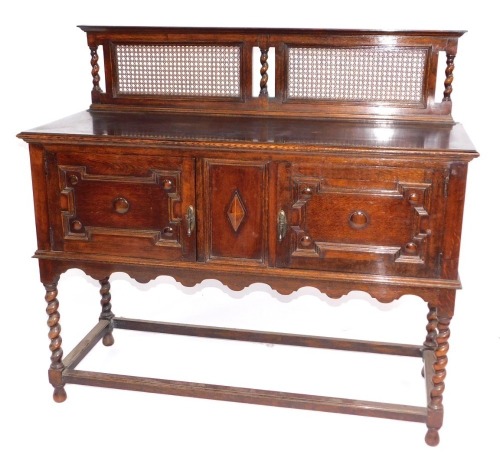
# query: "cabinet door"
[[121, 202], [375, 220], [235, 205]]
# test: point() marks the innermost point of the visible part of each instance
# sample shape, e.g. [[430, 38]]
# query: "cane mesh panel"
[[357, 74], [178, 70]]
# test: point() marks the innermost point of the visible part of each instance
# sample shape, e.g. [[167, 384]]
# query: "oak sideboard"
[[348, 173]]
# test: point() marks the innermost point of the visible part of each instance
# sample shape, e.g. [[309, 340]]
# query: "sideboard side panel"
[[39, 182]]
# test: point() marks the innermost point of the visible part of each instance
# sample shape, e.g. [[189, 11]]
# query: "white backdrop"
[[45, 76]]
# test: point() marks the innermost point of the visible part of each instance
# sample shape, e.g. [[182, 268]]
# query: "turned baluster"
[[56, 366], [449, 77], [263, 71], [439, 367], [106, 313], [95, 70]]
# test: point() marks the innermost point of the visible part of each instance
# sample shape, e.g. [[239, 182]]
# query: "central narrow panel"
[[236, 210]]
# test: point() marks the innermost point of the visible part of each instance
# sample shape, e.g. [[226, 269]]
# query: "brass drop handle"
[[191, 220], [282, 225]]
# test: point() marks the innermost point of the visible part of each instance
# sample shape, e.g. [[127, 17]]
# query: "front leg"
[[56, 366]]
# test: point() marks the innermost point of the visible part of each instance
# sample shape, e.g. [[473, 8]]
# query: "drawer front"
[[364, 220], [122, 203]]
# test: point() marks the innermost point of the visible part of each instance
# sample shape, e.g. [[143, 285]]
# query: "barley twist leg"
[[106, 313], [436, 395], [430, 339], [56, 366]]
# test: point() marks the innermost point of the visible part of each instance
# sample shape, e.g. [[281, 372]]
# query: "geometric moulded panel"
[[236, 211], [178, 70], [393, 74]]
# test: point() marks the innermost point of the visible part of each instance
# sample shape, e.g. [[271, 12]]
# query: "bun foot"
[[432, 437], [59, 394], [108, 339]]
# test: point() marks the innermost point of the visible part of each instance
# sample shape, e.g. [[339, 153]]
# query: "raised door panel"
[[376, 220], [115, 202], [236, 210]]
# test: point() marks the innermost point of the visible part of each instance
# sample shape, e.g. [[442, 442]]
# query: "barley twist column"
[[263, 71], [106, 313], [56, 366], [95, 70], [449, 77]]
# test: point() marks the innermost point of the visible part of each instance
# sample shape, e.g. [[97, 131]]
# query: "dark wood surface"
[[254, 132], [340, 196]]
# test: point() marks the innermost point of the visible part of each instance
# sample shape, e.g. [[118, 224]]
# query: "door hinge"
[[48, 157], [51, 237], [191, 220], [46, 164], [446, 182]]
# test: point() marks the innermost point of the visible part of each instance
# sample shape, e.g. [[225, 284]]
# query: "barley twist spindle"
[[263, 71], [95, 69], [449, 77]]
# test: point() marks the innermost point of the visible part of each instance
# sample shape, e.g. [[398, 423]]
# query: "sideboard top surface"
[[151, 128]]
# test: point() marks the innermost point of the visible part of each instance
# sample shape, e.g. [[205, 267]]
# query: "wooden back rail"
[[318, 73]]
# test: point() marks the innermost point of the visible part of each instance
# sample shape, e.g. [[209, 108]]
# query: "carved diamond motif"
[[236, 211]]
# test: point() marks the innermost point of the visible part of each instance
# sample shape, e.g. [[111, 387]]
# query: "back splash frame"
[[435, 103]]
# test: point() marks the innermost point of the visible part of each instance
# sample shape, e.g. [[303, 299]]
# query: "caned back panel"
[[357, 74], [178, 70]]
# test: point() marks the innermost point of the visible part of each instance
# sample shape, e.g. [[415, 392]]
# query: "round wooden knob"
[[306, 241], [413, 197], [121, 205], [73, 179], [167, 184], [411, 248], [307, 191], [358, 220], [76, 225]]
